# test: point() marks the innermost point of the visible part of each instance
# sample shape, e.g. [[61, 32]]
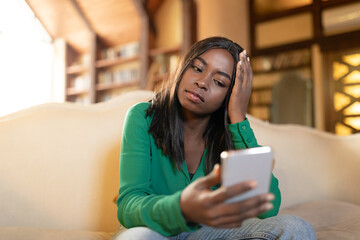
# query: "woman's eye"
[[197, 69], [219, 83]]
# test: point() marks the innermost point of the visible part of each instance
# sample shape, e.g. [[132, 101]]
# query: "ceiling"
[[114, 21]]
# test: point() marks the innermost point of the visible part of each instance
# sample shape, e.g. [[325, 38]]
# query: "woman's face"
[[205, 83]]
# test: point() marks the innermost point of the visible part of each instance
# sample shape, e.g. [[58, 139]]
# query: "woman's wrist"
[[237, 119]]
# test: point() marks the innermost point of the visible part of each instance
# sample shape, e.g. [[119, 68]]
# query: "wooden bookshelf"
[[163, 62], [164, 50], [117, 69], [74, 91], [76, 69], [103, 63], [84, 74], [109, 71], [78, 76], [111, 86]]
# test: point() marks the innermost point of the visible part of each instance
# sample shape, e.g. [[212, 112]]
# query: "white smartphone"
[[247, 164]]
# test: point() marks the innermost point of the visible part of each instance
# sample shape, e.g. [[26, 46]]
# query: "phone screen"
[[247, 164]]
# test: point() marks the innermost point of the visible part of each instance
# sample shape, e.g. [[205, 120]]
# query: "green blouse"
[[151, 184]]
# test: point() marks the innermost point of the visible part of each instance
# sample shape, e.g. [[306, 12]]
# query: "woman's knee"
[[138, 233], [294, 227]]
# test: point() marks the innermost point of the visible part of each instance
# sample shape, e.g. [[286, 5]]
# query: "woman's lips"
[[194, 96]]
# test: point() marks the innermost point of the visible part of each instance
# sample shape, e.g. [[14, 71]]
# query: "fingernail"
[[267, 206], [253, 184], [240, 62], [216, 169], [270, 197], [244, 52]]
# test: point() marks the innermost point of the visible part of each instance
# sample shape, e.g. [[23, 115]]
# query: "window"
[[26, 55], [344, 90]]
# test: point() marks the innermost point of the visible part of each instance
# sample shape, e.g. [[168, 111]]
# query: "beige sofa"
[[59, 172]]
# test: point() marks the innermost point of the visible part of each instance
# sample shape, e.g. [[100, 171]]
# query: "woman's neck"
[[194, 142], [194, 124], [195, 128]]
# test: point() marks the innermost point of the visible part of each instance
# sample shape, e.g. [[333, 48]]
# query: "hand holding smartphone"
[[247, 164]]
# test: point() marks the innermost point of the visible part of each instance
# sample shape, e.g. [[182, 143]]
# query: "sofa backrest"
[[59, 164], [310, 164]]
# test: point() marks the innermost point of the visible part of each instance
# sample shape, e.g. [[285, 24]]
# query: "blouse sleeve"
[[243, 137], [137, 204]]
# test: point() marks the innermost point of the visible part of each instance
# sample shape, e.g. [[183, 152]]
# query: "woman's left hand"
[[240, 95]]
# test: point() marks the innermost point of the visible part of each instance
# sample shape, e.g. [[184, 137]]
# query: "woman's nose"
[[201, 84]]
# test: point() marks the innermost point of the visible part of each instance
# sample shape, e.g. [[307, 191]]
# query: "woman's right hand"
[[241, 92], [199, 204]]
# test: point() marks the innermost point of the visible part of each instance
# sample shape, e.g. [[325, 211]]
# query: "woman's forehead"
[[218, 58]]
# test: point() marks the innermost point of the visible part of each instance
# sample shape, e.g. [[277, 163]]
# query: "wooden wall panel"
[[61, 20], [114, 22]]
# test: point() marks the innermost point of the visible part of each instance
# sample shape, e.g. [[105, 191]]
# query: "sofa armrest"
[[310, 164]]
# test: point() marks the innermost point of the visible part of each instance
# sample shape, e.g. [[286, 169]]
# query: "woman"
[[170, 152]]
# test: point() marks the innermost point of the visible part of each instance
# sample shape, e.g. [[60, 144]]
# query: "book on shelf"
[[128, 50], [81, 60], [261, 97], [82, 99], [82, 82], [281, 61], [110, 94], [105, 77], [164, 63], [262, 113], [118, 76]]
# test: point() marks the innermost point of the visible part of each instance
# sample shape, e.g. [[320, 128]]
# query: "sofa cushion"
[[332, 220], [60, 164]]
